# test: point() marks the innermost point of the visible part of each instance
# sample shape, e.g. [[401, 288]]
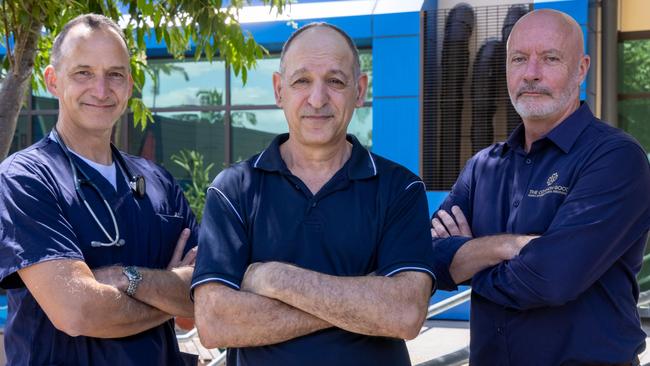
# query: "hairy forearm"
[[372, 305], [78, 304], [480, 253], [167, 291], [113, 314], [230, 318]]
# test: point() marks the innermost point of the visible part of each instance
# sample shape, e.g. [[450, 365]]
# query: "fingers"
[[178, 251], [190, 258], [445, 225], [463, 226], [439, 229], [449, 222]]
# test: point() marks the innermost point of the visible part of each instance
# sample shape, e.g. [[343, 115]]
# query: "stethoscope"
[[136, 183]]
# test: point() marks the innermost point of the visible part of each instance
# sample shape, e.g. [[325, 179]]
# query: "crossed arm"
[[279, 302], [477, 253], [79, 301]]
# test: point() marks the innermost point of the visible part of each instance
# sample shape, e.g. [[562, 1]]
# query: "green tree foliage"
[[192, 162], [27, 28]]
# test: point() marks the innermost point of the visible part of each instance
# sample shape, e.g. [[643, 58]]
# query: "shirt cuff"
[[411, 267], [444, 251], [206, 278]]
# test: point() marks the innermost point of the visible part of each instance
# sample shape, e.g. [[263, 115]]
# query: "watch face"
[[133, 273]]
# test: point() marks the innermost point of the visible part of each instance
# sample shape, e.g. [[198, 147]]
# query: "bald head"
[[563, 28], [313, 30]]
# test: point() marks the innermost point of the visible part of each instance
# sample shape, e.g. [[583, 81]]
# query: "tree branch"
[[6, 23]]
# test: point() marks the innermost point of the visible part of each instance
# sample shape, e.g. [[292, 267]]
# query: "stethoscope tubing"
[[117, 241]]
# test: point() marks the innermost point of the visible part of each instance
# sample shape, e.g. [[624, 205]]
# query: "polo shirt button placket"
[[529, 161]]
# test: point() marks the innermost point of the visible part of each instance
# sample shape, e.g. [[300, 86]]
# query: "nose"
[[533, 70], [318, 95], [100, 88]]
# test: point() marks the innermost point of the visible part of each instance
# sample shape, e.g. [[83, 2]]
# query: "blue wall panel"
[[396, 130], [578, 9], [388, 25], [396, 66]]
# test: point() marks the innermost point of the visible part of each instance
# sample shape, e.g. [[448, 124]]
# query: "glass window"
[[20, 140], [365, 58], [173, 132], [634, 89], [259, 86], [253, 130], [184, 83], [42, 99], [361, 126], [42, 125]]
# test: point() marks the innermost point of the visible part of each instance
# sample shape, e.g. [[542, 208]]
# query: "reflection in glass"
[[634, 66], [259, 86], [42, 99], [173, 132], [250, 138], [183, 83], [633, 118], [42, 125], [19, 141], [365, 59], [361, 126]]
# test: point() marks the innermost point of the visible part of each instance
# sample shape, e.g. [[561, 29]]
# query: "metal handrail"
[[185, 336], [448, 303]]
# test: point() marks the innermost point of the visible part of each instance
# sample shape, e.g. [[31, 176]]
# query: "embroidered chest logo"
[[550, 188]]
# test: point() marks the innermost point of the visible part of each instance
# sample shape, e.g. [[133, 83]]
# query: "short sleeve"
[[224, 251], [406, 238], [33, 227]]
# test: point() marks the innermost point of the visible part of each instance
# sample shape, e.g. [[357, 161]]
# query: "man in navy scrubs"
[[559, 215], [96, 284], [315, 251]]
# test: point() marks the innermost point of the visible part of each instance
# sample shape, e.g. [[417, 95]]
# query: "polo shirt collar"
[[563, 135], [361, 164]]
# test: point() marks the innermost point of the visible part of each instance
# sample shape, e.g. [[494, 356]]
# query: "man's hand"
[[177, 258], [445, 226]]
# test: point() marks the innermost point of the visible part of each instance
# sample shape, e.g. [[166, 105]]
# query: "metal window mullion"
[[226, 121]]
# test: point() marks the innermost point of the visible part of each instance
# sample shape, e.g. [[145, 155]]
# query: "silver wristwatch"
[[134, 276]]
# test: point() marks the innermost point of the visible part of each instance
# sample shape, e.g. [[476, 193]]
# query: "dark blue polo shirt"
[[569, 297], [43, 219], [370, 218]]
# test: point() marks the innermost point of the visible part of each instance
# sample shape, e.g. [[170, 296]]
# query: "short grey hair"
[[92, 21], [353, 48]]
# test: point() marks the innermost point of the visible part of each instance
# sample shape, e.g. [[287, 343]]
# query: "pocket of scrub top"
[[170, 229]]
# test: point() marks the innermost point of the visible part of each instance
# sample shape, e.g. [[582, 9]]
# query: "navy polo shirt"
[[569, 297], [370, 218], [43, 219]]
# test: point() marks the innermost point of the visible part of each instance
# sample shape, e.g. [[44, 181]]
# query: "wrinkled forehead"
[[319, 46]]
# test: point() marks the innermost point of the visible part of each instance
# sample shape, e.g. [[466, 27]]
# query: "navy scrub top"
[[370, 218], [42, 218], [569, 297]]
